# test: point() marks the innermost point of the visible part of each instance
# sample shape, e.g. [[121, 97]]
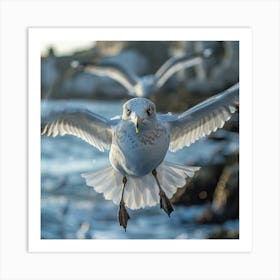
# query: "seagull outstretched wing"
[[202, 119], [88, 126], [115, 72], [175, 64]]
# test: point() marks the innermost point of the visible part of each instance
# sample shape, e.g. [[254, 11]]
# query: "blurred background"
[[206, 207]]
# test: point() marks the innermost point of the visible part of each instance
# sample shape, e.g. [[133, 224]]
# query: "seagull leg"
[[123, 214], [165, 203]]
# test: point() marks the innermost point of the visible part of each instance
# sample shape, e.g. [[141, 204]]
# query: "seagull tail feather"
[[140, 192]]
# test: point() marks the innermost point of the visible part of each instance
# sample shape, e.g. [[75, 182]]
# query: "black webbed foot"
[[123, 215], [165, 203]]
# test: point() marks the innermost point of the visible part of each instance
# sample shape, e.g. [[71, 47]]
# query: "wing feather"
[[202, 119], [115, 72], [90, 127], [174, 65]]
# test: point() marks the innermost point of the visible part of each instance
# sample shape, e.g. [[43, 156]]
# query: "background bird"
[[147, 85], [138, 142]]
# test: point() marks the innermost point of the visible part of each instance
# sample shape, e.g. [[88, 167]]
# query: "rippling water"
[[70, 209]]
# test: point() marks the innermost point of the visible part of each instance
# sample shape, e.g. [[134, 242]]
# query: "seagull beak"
[[137, 127], [137, 122]]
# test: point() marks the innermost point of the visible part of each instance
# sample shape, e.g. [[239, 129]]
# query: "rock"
[[200, 189], [225, 204], [221, 233]]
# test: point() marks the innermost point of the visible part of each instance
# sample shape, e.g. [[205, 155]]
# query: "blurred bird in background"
[[147, 85]]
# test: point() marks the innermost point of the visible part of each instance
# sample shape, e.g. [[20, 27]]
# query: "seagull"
[[138, 174], [149, 84]]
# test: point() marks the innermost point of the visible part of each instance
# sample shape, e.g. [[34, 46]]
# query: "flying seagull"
[[149, 84], [138, 175]]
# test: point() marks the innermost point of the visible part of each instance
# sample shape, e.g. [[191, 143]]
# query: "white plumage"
[[140, 191]]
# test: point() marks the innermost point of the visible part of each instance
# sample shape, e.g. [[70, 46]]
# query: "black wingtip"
[[43, 129]]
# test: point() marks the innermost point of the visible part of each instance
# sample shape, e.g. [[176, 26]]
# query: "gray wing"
[[115, 72], [175, 64], [202, 119], [92, 128]]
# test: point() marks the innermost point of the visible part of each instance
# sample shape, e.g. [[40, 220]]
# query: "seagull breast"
[[139, 153]]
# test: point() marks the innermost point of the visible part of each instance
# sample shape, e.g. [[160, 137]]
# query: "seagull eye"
[[150, 111], [128, 112]]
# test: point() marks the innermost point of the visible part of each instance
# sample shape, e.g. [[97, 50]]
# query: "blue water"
[[70, 209]]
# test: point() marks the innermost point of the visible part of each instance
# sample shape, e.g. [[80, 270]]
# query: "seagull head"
[[140, 111]]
